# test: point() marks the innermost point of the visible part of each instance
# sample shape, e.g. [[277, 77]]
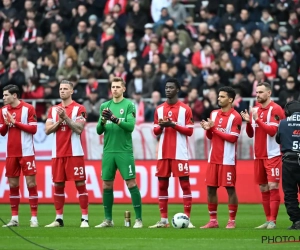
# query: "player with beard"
[[223, 129], [262, 126]]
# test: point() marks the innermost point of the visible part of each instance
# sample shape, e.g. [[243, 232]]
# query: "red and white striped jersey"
[[173, 144], [265, 146], [19, 142], [65, 141], [223, 151]]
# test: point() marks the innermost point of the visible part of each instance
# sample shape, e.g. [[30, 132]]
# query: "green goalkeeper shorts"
[[113, 161]]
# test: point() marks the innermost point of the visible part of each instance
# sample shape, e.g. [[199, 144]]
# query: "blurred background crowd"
[[205, 44]]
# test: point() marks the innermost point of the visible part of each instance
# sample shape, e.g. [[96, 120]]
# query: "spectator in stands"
[[176, 58], [268, 65], [164, 16], [7, 38], [30, 34], [289, 93], [20, 50], [38, 52], [80, 37], [92, 106], [54, 34], [49, 68], [280, 85], [244, 23], [13, 76], [161, 79], [90, 58], [93, 30], [156, 8], [34, 90], [139, 84], [281, 39], [290, 63], [197, 106], [63, 51], [226, 67], [78, 89], [282, 8], [28, 68], [69, 69], [203, 59], [229, 17], [151, 106], [51, 89], [238, 104], [93, 85], [137, 19], [207, 86], [80, 15], [2, 70], [265, 21], [177, 11], [210, 103], [8, 12]]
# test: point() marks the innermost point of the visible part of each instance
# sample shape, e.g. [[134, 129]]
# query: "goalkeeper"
[[117, 120]]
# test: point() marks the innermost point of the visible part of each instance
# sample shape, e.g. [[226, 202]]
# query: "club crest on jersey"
[[170, 113], [13, 115], [262, 115], [277, 118], [220, 121], [121, 111]]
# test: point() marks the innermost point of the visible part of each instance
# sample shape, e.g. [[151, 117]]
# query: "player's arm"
[[189, 128], [77, 126], [51, 126], [157, 130], [272, 127], [101, 122], [29, 128], [234, 134], [128, 125], [3, 126], [277, 137]]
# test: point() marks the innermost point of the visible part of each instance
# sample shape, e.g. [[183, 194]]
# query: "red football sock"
[[14, 198], [274, 204], [187, 196], [232, 211], [59, 199], [212, 209], [163, 197], [266, 204], [83, 199], [33, 200]]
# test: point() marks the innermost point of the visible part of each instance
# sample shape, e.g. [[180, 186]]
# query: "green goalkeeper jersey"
[[117, 138]]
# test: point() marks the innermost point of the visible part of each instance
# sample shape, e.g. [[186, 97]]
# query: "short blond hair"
[[119, 79]]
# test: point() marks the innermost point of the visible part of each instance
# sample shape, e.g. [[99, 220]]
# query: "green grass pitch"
[[119, 237]]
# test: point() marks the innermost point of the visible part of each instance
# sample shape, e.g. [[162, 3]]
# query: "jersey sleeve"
[[49, 117], [189, 121], [100, 127], [3, 126], [276, 116], [32, 119], [81, 114], [236, 126], [129, 124]]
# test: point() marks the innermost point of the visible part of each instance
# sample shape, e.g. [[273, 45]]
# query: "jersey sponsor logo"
[[13, 115], [121, 111], [170, 113], [277, 118], [296, 132]]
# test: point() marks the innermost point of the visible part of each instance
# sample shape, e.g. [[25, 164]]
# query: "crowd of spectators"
[[236, 43]]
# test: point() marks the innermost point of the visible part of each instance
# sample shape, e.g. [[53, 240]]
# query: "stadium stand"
[[206, 44]]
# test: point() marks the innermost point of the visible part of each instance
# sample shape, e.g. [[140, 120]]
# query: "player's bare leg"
[[232, 206], [265, 192], [83, 202], [136, 202], [163, 198], [14, 198], [187, 197], [108, 200], [212, 198], [33, 199], [59, 202]]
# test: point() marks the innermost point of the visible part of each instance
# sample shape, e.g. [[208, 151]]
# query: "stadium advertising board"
[[247, 191]]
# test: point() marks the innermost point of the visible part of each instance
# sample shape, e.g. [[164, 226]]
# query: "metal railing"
[[33, 102]]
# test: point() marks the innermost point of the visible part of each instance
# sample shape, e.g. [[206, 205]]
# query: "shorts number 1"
[[130, 170]]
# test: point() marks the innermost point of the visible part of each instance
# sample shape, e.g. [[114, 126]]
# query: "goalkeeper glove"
[[108, 115]]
